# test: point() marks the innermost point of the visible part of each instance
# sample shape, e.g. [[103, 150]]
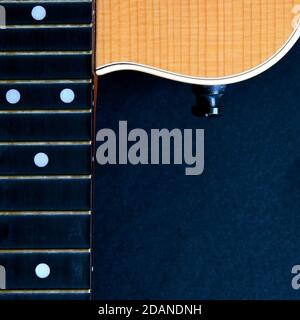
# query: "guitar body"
[[206, 42]]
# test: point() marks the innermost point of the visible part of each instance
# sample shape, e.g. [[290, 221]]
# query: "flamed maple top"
[[197, 41]]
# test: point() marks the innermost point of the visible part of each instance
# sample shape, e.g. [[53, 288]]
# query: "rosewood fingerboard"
[[45, 208], [197, 38]]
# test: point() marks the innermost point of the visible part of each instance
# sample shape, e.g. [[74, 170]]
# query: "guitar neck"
[[45, 149]]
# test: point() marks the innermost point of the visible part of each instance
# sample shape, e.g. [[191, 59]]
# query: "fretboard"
[[45, 149]]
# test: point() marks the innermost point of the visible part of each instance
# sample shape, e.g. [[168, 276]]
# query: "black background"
[[232, 233]]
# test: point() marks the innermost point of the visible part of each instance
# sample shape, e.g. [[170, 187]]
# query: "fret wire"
[[39, 53], [48, 26], [46, 291], [46, 177], [45, 1], [44, 81], [45, 213], [43, 143], [51, 251], [54, 111]]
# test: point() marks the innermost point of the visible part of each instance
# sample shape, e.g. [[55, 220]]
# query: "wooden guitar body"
[[206, 42]]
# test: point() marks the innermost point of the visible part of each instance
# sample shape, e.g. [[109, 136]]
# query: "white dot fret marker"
[[13, 96], [38, 13], [42, 270], [67, 95], [41, 160]]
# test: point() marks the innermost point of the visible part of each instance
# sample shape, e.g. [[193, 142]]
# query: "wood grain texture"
[[195, 38]]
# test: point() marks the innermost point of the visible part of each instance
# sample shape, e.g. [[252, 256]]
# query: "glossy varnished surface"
[[195, 38]]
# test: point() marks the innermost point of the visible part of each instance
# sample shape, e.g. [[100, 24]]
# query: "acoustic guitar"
[[51, 52], [209, 42]]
